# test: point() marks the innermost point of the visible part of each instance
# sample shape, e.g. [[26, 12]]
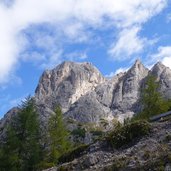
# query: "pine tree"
[[9, 157], [152, 101], [27, 129], [59, 136], [21, 148]]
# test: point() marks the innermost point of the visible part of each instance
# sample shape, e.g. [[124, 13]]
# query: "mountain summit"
[[86, 96]]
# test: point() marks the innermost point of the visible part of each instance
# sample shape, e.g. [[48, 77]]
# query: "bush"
[[167, 137], [79, 132], [63, 168], [125, 134], [97, 133], [45, 165], [72, 154]]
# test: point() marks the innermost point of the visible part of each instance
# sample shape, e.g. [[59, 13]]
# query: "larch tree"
[[59, 135], [21, 149], [151, 100]]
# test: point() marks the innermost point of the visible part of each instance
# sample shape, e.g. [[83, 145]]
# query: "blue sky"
[[38, 34]]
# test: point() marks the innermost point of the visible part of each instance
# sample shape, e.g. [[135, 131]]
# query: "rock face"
[[65, 84], [126, 94], [163, 75], [6, 120], [86, 96], [95, 104]]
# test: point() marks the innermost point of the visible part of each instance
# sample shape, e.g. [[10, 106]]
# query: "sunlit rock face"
[[127, 92], [85, 95], [65, 84], [163, 75]]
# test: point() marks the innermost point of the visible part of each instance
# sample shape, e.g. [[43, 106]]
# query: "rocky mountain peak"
[[138, 62], [87, 97], [138, 68], [66, 83], [157, 69], [163, 75], [127, 91]]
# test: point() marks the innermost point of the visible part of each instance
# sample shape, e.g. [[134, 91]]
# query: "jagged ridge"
[[85, 95]]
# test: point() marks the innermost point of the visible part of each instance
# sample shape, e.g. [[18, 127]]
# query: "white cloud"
[[8, 102], [110, 75], [163, 55], [128, 43], [53, 60], [120, 70], [167, 61], [16, 102], [76, 56], [21, 14], [168, 18]]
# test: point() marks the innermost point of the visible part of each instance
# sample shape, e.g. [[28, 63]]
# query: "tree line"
[[23, 150]]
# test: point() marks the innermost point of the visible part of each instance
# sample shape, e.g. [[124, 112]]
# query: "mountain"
[[86, 96]]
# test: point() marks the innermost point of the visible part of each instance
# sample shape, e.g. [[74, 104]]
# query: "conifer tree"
[[152, 101], [21, 148], [9, 157], [27, 129], [59, 136]]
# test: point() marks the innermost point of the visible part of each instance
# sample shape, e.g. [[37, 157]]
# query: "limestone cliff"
[[85, 95]]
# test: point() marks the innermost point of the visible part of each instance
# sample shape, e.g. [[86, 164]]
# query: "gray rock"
[[6, 120], [65, 84], [127, 92], [86, 96], [95, 104], [163, 75]]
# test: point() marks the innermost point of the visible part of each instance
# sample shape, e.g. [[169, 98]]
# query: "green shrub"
[[167, 137], [97, 133], [64, 168], [79, 132], [125, 134], [45, 165], [72, 154]]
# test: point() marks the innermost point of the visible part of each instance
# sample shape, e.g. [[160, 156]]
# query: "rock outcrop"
[[126, 94], [163, 75], [6, 120], [65, 84], [85, 95]]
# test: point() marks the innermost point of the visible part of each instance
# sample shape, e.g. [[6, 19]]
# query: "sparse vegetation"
[[72, 154], [151, 100], [125, 134], [79, 132]]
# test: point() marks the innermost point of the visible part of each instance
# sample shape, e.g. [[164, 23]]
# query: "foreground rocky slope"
[[152, 152], [87, 97]]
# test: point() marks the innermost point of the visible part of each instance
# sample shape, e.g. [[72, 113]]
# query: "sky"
[[40, 34]]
